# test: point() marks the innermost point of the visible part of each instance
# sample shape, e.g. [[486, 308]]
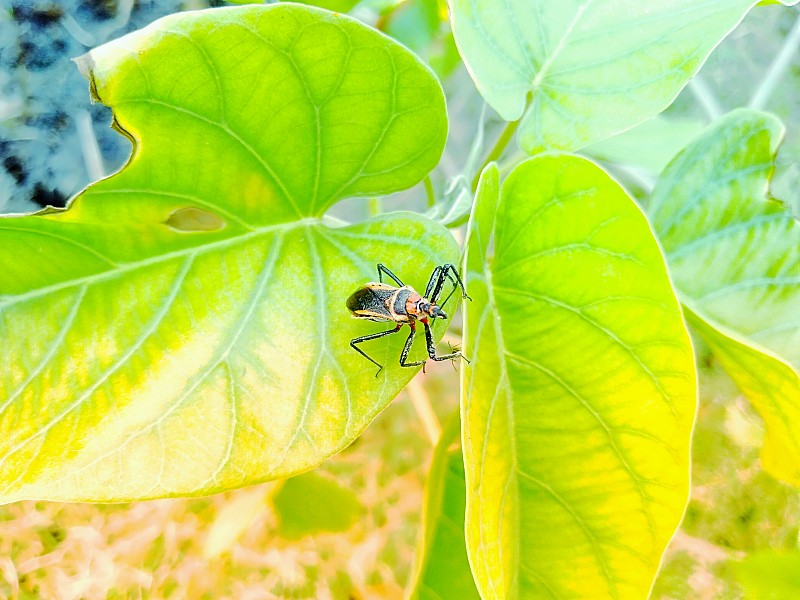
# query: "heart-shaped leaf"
[[182, 328], [734, 254], [578, 405], [582, 70]]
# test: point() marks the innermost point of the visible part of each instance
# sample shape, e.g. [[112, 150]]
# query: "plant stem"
[[497, 150], [777, 69], [422, 404], [429, 191], [92, 157], [375, 206], [706, 97]]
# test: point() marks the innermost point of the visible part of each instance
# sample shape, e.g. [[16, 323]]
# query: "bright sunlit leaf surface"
[[578, 404], [734, 254], [182, 328], [442, 569], [586, 69]]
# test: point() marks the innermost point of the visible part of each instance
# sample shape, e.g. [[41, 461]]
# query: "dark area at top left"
[[53, 139]]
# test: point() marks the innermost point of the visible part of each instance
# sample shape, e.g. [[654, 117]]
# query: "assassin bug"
[[404, 306]]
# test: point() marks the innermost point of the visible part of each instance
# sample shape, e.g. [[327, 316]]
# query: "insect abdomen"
[[369, 302], [362, 299]]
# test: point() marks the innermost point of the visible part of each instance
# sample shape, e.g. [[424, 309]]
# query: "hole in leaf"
[[194, 219]]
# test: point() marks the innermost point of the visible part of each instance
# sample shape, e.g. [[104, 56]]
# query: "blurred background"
[[348, 530]]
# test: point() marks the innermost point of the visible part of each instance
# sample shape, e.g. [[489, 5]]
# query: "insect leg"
[[407, 349], [436, 275], [382, 269], [448, 272], [432, 347], [372, 336], [453, 291]]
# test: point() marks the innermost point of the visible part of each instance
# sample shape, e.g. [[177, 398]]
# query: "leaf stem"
[[497, 150], [705, 95], [92, 157], [777, 69], [422, 404], [375, 206], [431, 193]]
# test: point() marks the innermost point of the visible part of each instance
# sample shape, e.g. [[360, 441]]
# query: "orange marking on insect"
[[411, 304]]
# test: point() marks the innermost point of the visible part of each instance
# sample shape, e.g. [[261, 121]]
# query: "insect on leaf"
[[181, 329]]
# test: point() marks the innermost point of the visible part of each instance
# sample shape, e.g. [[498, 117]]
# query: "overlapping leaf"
[[772, 387], [181, 329], [442, 569], [578, 405], [579, 71], [734, 253]]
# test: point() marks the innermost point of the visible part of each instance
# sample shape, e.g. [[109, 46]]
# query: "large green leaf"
[[578, 405], [734, 254], [181, 329], [582, 70], [442, 568]]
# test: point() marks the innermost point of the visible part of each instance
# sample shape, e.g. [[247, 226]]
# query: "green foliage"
[[769, 575], [734, 254], [550, 349], [577, 72], [310, 504], [173, 332], [442, 564], [181, 328], [636, 146]]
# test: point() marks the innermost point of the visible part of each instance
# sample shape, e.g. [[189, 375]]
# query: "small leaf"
[[734, 255], [579, 71], [769, 575], [579, 402], [182, 328], [310, 503], [442, 568]]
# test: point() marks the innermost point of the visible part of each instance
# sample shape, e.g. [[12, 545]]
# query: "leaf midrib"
[[123, 268]]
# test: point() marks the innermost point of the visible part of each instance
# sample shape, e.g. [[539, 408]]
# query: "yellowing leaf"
[[578, 405], [772, 387], [182, 328], [734, 254]]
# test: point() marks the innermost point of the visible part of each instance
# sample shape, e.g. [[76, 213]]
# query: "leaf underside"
[[577, 71], [734, 253]]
